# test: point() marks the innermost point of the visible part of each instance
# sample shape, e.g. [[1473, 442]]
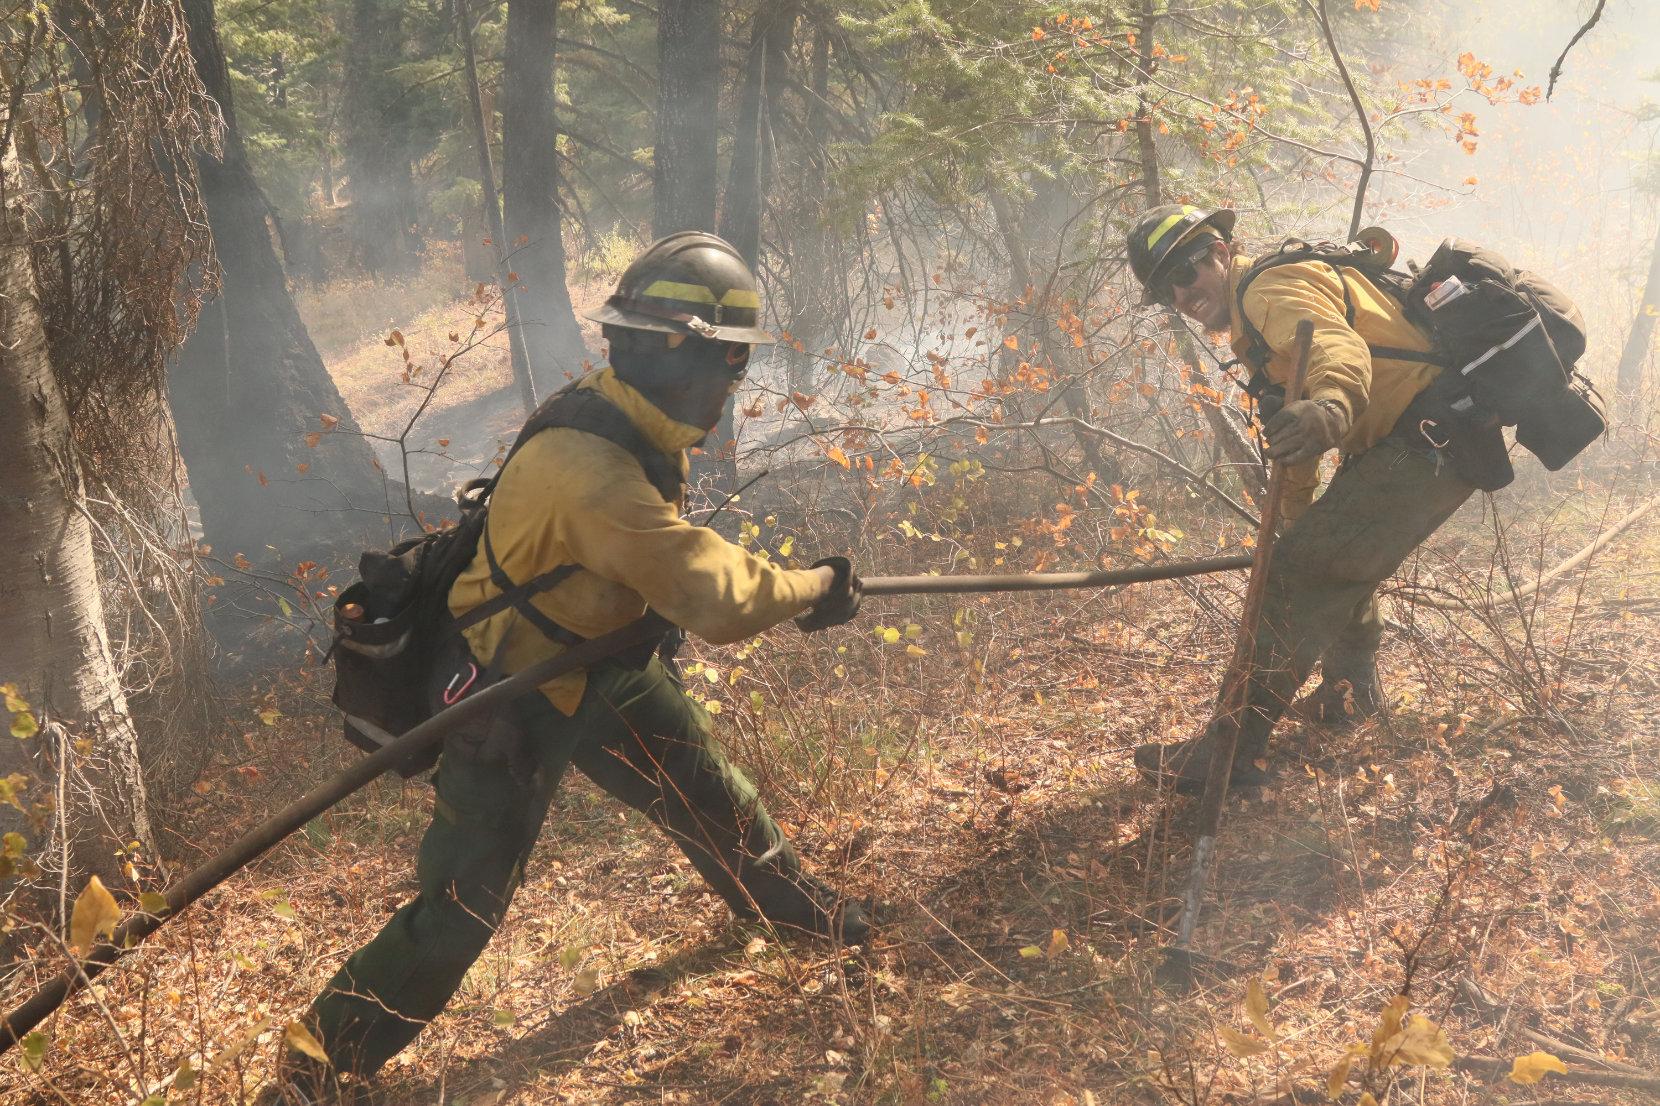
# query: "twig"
[[1556, 70], [1366, 165], [1573, 562]]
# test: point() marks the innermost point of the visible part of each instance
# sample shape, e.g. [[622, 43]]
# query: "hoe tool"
[[1179, 959]]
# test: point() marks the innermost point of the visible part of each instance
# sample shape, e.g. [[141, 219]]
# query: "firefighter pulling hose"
[[397, 750]]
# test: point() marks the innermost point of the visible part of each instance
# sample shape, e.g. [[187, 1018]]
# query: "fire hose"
[[261, 838]]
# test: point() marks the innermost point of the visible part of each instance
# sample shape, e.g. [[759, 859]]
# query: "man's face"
[[1198, 287], [690, 378]]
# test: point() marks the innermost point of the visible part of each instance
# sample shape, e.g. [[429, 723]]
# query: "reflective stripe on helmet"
[[697, 293], [1171, 220]]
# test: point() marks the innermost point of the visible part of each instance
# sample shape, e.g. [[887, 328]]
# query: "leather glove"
[[838, 605], [1304, 430]]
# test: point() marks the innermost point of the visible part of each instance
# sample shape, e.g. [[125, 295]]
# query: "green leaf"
[[153, 902], [282, 605], [24, 725], [185, 1077], [503, 1018], [10, 786], [32, 1051], [12, 845]]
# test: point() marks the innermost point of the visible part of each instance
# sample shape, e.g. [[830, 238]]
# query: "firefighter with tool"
[[680, 327], [1367, 364]]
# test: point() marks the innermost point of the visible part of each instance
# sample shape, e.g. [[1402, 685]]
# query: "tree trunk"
[[530, 192], [683, 159], [748, 182], [248, 386], [53, 644], [1628, 380], [377, 120], [810, 270], [506, 279]]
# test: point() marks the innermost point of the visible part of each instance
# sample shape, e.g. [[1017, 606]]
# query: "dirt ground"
[[1489, 849]]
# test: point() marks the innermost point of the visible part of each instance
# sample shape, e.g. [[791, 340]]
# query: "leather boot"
[[1349, 693], [1185, 765], [822, 912]]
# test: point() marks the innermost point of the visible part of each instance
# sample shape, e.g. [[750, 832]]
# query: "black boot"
[[822, 912], [1349, 693], [1185, 765]]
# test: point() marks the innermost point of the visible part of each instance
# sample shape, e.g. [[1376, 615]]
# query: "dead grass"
[[1500, 867]]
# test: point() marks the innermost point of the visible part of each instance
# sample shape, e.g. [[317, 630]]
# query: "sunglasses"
[[1181, 274], [735, 355]]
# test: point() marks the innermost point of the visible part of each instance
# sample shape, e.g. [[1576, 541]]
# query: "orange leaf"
[[313, 438], [836, 455], [328, 421], [263, 482]]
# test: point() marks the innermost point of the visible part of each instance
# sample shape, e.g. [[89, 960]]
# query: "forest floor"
[[1492, 848]]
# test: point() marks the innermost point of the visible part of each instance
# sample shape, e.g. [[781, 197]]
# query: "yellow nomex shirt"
[[1340, 366], [569, 497]]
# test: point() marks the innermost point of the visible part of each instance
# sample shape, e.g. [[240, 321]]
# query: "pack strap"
[[581, 409]]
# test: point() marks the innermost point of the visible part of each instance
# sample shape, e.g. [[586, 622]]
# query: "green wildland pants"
[[639, 737], [1321, 602]]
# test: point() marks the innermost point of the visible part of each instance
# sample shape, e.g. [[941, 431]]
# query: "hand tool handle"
[[1046, 581], [256, 841]]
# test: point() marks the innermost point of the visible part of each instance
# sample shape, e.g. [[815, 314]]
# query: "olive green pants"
[[1321, 602], [639, 737]]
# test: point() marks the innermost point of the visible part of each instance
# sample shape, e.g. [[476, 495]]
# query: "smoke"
[[1557, 180]]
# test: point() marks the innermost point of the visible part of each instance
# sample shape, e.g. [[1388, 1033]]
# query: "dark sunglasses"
[[1181, 274]]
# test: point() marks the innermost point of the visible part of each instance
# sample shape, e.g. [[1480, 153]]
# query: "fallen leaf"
[[1256, 1008], [1241, 1045], [95, 913], [1534, 1067]]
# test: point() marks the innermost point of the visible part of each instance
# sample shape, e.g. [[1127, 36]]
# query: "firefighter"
[[1367, 364], [605, 500]]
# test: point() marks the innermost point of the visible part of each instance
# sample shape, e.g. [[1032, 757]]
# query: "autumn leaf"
[[313, 438], [95, 914], [1256, 1008], [1012, 341], [1031, 952], [1058, 943], [1338, 1077], [299, 1038], [1240, 1045], [1371, 4], [1534, 1067], [836, 455], [328, 421]]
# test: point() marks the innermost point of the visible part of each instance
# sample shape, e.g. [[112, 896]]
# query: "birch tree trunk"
[[53, 643]]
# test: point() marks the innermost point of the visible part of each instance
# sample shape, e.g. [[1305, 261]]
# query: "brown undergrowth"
[[1493, 857]]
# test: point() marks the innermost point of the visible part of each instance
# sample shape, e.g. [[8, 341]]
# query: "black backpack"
[[1507, 341], [394, 623]]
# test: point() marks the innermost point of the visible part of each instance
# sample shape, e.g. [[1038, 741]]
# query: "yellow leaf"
[[1058, 943], [1367, 1100], [1012, 342], [1420, 1044], [95, 913], [1031, 952], [299, 1038], [1241, 1045], [1338, 1077], [1256, 1008], [836, 455], [915, 651], [1534, 1067], [1388, 1026], [153, 902]]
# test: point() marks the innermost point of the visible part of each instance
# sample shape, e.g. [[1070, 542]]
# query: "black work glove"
[[1304, 430], [838, 605]]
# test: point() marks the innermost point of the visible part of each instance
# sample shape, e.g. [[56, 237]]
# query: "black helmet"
[[1154, 239], [688, 283]]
